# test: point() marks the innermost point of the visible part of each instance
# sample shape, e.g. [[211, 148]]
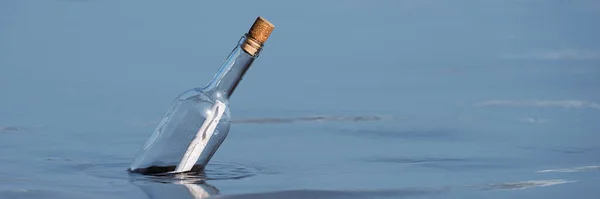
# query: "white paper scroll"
[[198, 145]]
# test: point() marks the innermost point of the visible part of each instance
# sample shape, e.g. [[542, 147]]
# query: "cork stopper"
[[257, 35], [261, 29]]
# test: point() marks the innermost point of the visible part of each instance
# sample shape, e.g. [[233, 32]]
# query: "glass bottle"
[[199, 119]]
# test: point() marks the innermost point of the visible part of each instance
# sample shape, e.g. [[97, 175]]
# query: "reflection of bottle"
[[198, 121], [177, 189]]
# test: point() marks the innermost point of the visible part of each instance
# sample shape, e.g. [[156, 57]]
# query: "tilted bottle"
[[199, 119]]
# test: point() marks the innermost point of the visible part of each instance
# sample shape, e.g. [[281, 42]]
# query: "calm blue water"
[[350, 99]]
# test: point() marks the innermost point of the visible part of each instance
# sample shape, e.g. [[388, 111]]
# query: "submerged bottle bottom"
[[154, 170]]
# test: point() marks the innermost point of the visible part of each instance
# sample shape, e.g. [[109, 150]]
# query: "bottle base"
[[157, 170]]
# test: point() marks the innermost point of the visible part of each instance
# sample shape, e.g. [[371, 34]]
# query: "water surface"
[[350, 99]]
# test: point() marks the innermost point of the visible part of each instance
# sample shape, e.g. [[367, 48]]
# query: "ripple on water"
[[213, 171], [9, 129], [454, 164], [524, 184], [436, 134], [34, 193], [345, 194]]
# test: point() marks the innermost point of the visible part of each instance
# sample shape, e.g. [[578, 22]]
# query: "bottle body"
[[169, 142], [196, 124]]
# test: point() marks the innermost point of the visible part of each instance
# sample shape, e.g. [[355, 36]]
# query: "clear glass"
[[167, 145]]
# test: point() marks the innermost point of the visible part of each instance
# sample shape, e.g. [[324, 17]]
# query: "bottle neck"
[[232, 71]]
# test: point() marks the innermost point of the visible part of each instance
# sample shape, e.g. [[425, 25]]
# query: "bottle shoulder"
[[201, 94], [193, 93]]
